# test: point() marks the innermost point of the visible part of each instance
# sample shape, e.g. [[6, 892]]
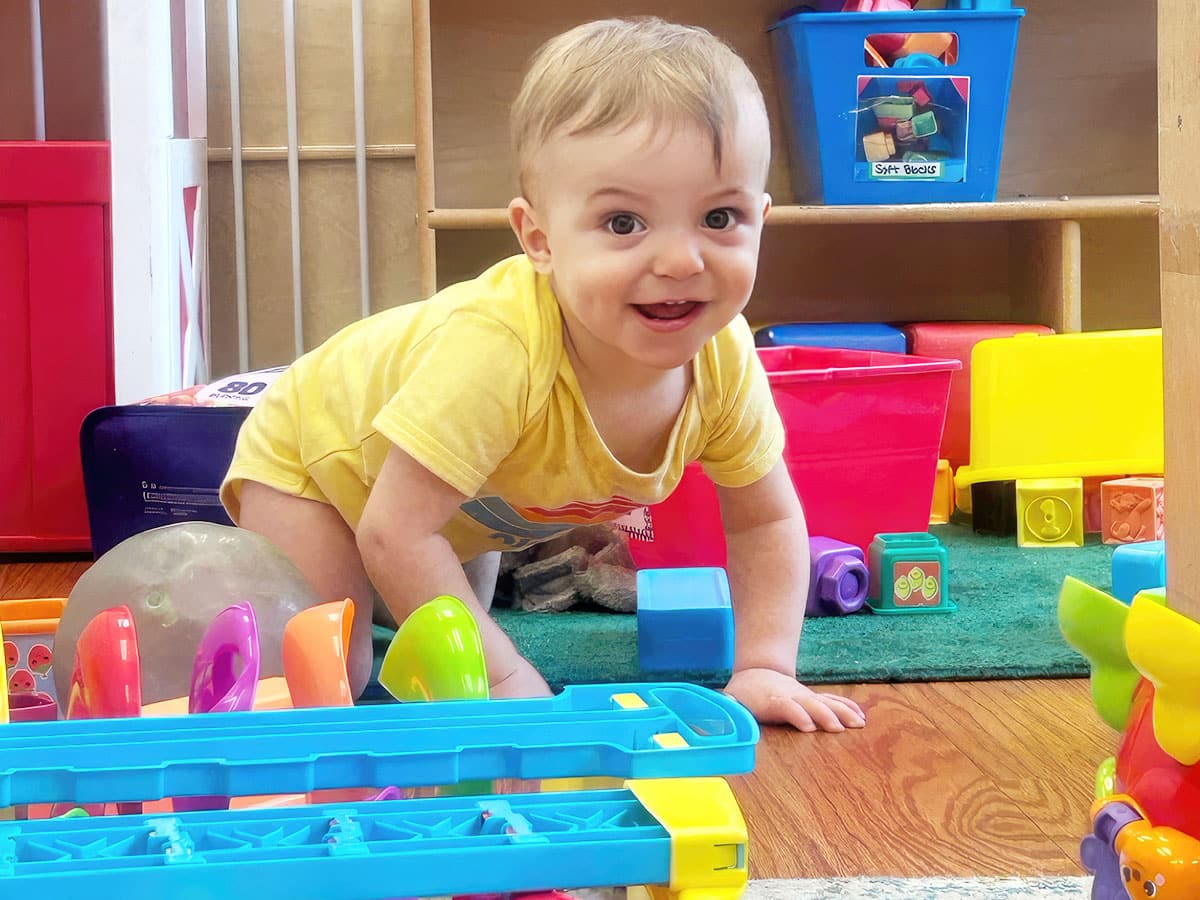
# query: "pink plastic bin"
[[863, 432], [682, 531]]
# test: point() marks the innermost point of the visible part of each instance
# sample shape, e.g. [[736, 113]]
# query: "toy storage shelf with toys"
[[1071, 241]]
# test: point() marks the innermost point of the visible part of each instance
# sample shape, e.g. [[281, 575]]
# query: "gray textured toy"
[[175, 579]]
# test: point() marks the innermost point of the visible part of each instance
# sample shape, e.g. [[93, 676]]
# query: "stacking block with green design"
[[908, 574]]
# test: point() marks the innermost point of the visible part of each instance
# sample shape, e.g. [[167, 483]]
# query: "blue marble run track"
[[675, 825]]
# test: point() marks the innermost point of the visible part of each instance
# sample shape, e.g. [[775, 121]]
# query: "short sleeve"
[[462, 400], [746, 437]]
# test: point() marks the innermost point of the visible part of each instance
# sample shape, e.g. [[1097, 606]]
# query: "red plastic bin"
[[863, 432], [956, 340], [55, 334]]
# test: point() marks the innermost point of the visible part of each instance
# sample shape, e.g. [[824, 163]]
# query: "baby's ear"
[[523, 219]]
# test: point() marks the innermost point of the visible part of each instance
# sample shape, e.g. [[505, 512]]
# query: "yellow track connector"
[[708, 837]]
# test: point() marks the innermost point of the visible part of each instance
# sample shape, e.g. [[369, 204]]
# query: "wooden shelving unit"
[[1073, 243], [1031, 209]]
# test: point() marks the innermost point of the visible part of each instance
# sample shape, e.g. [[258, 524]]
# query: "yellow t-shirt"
[[474, 384]]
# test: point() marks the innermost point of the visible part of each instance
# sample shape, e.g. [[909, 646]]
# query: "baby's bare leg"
[[482, 572], [320, 544]]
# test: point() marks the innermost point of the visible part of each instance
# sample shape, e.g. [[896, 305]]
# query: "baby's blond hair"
[[613, 72]]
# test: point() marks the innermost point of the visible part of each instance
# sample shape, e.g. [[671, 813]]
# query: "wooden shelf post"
[[1179, 248]]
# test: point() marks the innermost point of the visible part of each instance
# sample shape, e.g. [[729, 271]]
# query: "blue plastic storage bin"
[[842, 335], [845, 151], [148, 466]]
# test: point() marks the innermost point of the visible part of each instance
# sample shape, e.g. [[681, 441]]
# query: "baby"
[[566, 385]]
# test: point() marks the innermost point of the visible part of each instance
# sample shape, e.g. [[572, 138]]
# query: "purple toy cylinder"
[[837, 583]]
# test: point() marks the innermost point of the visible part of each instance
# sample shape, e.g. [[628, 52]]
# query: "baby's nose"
[[678, 256]]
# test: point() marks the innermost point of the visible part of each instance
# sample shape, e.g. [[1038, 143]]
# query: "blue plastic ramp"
[[338, 852], [627, 731]]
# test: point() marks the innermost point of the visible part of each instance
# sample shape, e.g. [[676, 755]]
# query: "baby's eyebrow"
[[725, 194], [732, 192], [619, 192]]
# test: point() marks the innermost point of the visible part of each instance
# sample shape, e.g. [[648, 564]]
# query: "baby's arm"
[[409, 562], [768, 572]]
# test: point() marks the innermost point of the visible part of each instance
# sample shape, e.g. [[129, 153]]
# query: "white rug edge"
[[979, 888]]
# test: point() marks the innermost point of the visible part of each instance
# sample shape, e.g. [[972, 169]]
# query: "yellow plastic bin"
[[1065, 405]]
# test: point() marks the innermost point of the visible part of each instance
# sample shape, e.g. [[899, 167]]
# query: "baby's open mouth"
[[671, 309]]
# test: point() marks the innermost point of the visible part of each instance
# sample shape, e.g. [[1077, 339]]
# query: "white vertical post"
[[159, 244], [360, 155], [39, 75], [188, 167], [141, 122], [239, 208], [293, 158]]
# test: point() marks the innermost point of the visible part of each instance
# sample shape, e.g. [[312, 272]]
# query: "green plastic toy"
[[437, 654], [1093, 622]]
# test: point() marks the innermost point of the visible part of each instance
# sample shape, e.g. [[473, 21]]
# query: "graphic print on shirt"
[[523, 527]]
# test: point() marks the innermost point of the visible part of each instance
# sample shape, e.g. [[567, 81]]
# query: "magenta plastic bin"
[[684, 530], [863, 432]]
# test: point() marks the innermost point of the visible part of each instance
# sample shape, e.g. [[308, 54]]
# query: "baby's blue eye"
[[718, 219], [623, 224]]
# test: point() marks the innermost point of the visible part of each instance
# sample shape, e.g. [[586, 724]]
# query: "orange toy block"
[[879, 146], [943, 494], [1093, 522], [1131, 510]]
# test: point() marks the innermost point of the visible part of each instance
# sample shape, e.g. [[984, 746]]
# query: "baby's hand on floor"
[[775, 698], [524, 681]]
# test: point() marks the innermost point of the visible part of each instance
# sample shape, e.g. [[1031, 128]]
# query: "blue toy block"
[[839, 335], [1136, 567], [685, 620]]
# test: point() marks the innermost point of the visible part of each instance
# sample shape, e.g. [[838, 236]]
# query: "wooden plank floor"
[[962, 778]]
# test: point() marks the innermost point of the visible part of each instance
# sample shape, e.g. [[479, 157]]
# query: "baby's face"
[[651, 248]]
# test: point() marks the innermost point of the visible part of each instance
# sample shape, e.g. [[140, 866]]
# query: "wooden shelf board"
[[313, 152], [1024, 209]]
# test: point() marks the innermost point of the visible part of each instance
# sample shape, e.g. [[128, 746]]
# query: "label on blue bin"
[[906, 169]]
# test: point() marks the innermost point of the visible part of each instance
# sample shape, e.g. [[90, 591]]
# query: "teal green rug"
[[1005, 627]]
